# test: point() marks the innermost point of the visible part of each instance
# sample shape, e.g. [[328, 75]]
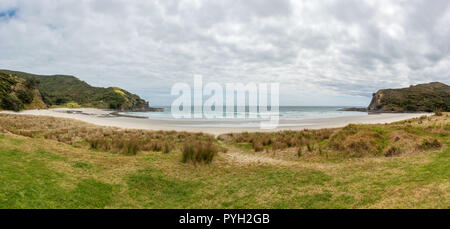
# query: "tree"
[[25, 96], [32, 83], [11, 102]]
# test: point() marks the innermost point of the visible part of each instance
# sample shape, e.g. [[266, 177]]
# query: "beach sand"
[[107, 118]]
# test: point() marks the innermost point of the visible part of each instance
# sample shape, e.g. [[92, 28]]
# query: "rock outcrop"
[[375, 103]]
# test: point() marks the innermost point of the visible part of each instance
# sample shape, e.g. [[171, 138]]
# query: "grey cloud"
[[317, 50]]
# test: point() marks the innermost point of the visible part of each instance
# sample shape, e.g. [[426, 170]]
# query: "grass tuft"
[[199, 152]]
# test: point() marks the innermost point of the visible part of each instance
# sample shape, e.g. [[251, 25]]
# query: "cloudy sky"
[[321, 52]]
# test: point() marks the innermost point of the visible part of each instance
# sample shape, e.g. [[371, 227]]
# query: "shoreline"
[[114, 119]]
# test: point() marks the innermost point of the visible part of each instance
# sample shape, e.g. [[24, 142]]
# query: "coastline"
[[114, 119]]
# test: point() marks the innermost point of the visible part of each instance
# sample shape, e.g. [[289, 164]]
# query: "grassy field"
[[51, 167]]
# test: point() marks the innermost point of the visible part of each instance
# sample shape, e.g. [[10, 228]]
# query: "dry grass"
[[199, 152], [278, 140], [353, 141], [109, 139]]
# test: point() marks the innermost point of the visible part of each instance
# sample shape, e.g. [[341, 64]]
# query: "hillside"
[[63, 90], [423, 97], [17, 93]]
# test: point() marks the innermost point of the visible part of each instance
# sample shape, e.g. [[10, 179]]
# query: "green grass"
[[82, 165]]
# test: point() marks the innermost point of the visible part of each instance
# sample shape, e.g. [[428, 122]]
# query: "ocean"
[[285, 113]]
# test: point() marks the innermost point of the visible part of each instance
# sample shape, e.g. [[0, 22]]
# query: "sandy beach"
[[108, 118]]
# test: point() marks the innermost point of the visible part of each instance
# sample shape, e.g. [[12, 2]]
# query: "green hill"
[[17, 93], [64, 90], [423, 97]]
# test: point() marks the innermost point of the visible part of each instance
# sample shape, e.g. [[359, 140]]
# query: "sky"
[[321, 52]]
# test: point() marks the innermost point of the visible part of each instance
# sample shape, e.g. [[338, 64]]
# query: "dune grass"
[[353, 141], [44, 172], [109, 139]]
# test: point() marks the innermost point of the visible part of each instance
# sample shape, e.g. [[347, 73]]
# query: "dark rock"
[[359, 109]]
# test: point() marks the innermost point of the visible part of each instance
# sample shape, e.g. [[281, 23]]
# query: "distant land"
[[427, 97], [419, 98], [20, 90]]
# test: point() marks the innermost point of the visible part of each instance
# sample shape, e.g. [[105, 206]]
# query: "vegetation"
[[108, 139], [11, 102], [423, 97], [199, 152], [60, 163], [352, 141], [25, 96], [16, 93], [61, 90]]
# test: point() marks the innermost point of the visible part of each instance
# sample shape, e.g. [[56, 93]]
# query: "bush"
[[32, 83], [72, 105], [131, 147], [11, 102], [167, 148], [430, 144], [257, 146], [438, 112], [392, 151], [25, 96], [299, 152], [197, 152]]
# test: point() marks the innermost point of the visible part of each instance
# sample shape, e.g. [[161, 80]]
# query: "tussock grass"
[[438, 112], [353, 141], [199, 152], [278, 140], [107, 139]]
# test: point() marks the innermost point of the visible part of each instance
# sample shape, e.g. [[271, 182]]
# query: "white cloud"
[[321, 52]]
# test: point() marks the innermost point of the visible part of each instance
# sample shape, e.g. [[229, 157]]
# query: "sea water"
[[284, 112]]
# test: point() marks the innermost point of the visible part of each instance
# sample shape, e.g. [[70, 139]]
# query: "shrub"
[[438, 112], [94, 143], [257, 146], [32, 83], [299, 152], [309, 147], [167, 148], [430, 144], [392, 151], [11, 102], [25, 96], [198, 152], [72, 105], [357, 141], [131, 147]]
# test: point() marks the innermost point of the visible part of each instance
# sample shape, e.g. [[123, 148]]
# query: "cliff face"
[[422, 97], [375, 103]]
